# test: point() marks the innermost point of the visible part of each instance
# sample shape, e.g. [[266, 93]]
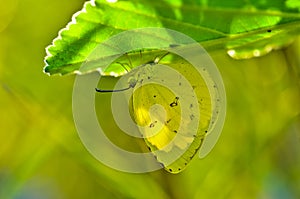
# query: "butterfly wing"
[[173, 112]]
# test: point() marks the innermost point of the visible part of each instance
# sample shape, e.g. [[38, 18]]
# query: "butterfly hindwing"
[[173, 112]]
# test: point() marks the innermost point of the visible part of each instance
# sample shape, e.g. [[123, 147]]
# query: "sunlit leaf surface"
[[246, 29]]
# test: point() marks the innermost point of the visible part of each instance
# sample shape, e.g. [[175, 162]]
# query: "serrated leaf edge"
[[72, 22]]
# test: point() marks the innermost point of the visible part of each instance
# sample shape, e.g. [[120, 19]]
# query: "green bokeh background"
[[42, 157]]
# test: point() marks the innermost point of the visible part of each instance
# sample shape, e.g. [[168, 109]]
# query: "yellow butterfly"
[[172, 107]]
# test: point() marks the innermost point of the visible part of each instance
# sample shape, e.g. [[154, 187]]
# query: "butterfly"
[[172, 107]]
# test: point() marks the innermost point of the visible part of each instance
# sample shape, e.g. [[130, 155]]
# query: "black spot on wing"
[[175, 102], [152, 124], [192, 116]]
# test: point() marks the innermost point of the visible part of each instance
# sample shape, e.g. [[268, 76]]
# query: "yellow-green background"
[[41, 156]]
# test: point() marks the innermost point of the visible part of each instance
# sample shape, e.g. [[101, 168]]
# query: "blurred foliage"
[[41, 156]]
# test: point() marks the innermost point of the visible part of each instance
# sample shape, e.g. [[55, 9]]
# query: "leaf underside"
[[245, 30]]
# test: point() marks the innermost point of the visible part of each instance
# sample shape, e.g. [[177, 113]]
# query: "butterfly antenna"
[[111, 91], [131, 85]]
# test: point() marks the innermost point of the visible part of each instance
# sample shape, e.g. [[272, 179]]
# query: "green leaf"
[[246, 29]]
